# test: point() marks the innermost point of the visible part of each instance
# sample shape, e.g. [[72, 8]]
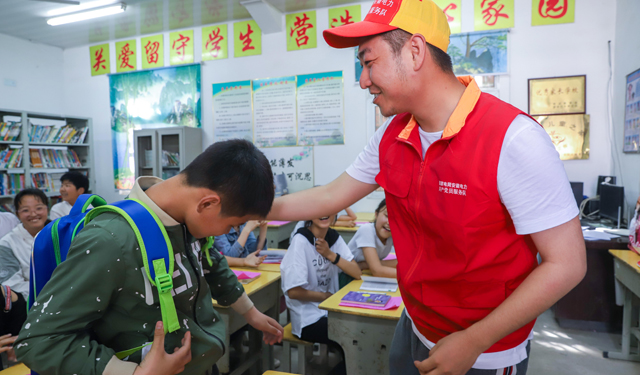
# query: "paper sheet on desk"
[[595, 235], [391, 256], [393, 303], [246, 275]]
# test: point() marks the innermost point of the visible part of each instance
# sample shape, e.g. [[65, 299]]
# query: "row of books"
[[50, 158], [6, 208], [11, 183], [10, 130], [43, 181], [11, 158], [53, 134]]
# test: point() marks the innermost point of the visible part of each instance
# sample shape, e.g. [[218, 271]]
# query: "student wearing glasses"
[[32, 209]]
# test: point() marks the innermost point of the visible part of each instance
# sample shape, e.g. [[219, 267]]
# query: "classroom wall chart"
[[274, 111], [285, 111], [320, 109], [232, 115]]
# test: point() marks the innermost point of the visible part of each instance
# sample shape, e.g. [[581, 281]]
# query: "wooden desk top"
[[16, 370], [365, 216], [272, 267], [277, 373], [265, 279], [346, 229], [332, 304], [627, 256]]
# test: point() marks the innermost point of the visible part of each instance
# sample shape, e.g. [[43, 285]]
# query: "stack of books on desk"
[[366, 299], [273, 256]]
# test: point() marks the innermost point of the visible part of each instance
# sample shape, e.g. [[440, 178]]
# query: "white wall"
[[561, 50], [626, 60], [36, 71], [542, 51]]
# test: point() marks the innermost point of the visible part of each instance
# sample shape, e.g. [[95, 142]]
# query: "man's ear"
[[208, 202], [419, 51]]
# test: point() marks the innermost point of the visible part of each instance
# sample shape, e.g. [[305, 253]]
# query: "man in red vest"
[[475, 191]]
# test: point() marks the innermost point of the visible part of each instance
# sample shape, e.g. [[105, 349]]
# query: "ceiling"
[[26, 19]]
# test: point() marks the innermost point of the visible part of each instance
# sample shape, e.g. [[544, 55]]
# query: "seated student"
[[372, 243], [14, 313], [99, 300], [346, 218], [309, 273], [240, 246], [8, 221], [15, 247], [74, 184]]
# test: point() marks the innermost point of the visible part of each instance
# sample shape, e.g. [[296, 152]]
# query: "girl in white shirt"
[[372, 243], [309, 273]]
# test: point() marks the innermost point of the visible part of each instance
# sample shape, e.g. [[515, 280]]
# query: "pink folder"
[[245, 275]]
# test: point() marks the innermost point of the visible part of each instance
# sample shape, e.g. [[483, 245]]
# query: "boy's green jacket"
[[99, 302]]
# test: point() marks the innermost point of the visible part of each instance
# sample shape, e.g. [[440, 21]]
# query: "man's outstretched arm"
[[320, 201]]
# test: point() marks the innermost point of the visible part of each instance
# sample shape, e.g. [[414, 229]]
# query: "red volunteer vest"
[[459, 256]]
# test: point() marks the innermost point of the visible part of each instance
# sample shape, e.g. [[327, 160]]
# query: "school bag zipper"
[[195, 270]]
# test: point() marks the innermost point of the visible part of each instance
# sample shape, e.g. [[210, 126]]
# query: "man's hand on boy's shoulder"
[[159, 362], [272, 330]]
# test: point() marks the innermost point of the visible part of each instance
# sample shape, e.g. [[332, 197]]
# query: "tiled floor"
[[555, 351]]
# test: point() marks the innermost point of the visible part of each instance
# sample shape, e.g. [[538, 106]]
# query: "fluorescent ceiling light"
[[79, 7], [107, 11]]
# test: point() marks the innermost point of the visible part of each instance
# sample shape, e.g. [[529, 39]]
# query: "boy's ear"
[[83, 191], [210, 201]]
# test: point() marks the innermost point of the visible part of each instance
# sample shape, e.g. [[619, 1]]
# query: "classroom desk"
[[627, 274], [272, 267], [277, 232], [16, 370], [364, 334], [346, 233], [264, 291]]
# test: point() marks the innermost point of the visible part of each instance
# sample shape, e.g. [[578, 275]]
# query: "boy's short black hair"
[[239, 172], [30, 191], [77, 179]]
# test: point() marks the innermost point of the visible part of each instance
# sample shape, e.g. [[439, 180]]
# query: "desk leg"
[[626, 331], [366, 342]]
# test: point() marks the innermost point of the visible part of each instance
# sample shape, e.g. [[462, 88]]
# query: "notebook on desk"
[[379, 284]]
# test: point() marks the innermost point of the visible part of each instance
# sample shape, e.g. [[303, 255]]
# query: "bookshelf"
[[46, 147], [163, 152]]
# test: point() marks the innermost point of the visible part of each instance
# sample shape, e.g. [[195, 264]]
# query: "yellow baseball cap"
[[414, 16]]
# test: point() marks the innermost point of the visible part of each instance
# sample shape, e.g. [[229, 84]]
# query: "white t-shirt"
[[303, 266], [532, 184], [59, 210], [300, 224], [8, 221], [366, 236]]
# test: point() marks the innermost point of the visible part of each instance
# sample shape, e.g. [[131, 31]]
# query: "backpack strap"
[[208, 245], [84, 201], [156, 249]]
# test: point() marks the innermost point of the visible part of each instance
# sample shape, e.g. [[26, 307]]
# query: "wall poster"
[[632, 113], [274, 111], [232, 114], [149, 99], [479, 53], [321, 109]]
